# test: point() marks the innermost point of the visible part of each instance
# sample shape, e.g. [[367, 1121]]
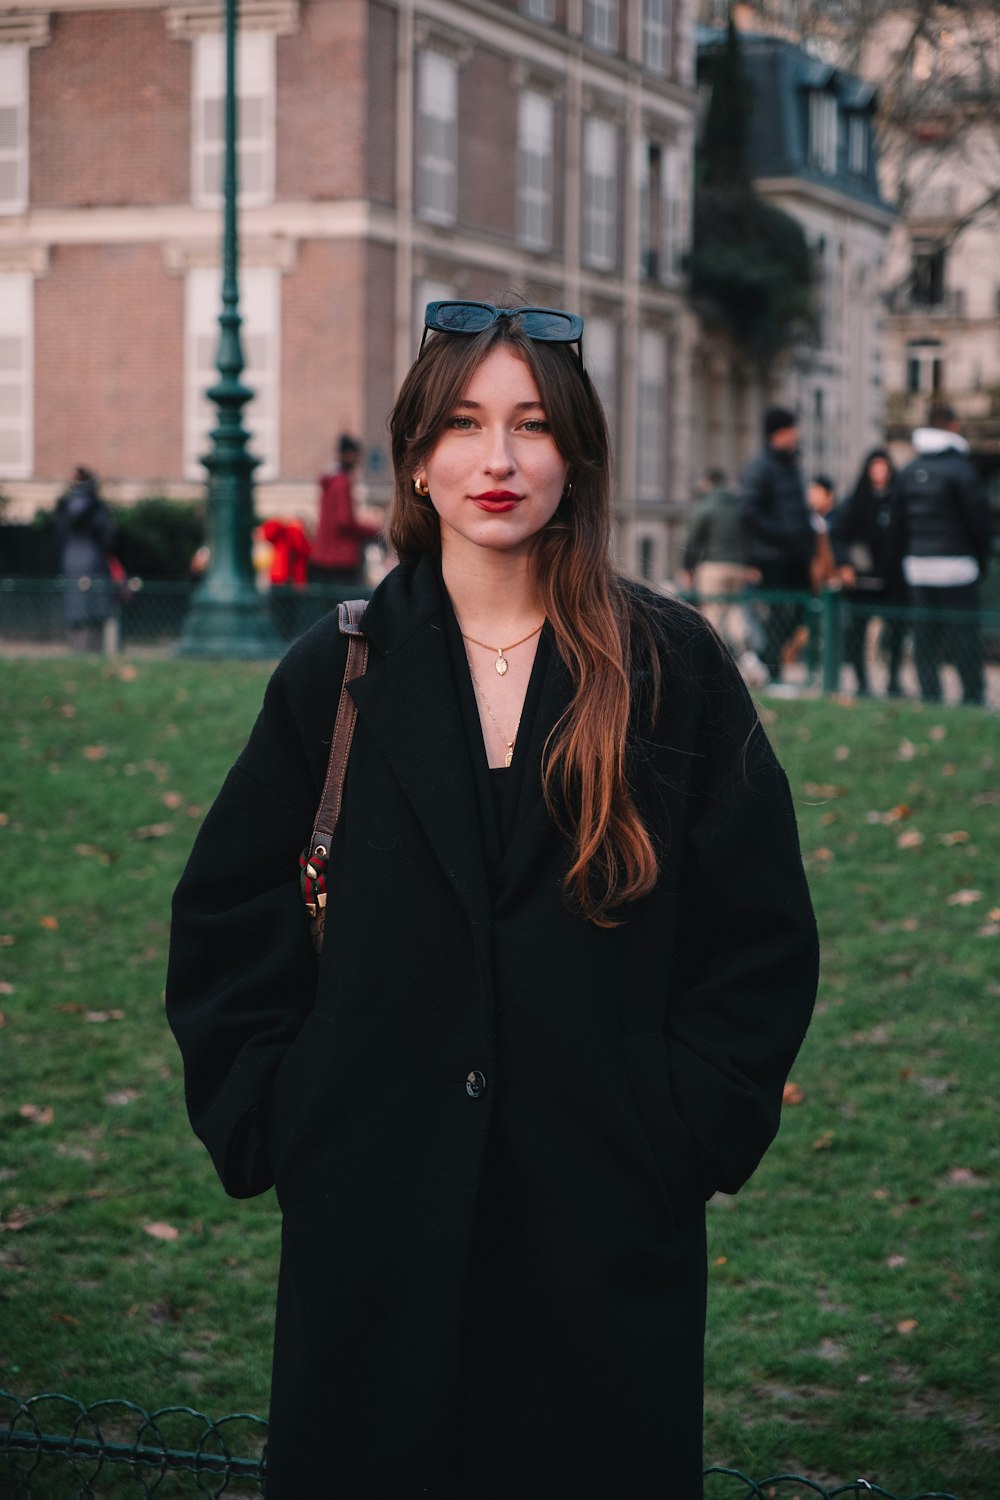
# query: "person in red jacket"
[[338, 550], [290, 552]]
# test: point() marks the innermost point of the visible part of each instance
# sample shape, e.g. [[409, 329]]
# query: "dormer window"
[[858, 137], [823, 131]]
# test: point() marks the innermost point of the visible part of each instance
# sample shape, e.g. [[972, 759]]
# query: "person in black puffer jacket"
[[779, 528], [944, 541], [863, 532]]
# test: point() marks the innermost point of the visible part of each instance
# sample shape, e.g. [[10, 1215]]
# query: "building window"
[[17, 291], [13, 130], [540, 10], [656, 35], [437, 138], [600, 24], [601, 357], [600, 194], [646, 560], [927, 276], [660, 211], [535, 117], [652, 417], [256, 95], [260, 306], [823, 131], [858, 133], [924, 367]]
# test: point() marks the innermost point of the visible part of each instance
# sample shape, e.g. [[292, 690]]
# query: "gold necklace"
[[501, 664], [508, 742]]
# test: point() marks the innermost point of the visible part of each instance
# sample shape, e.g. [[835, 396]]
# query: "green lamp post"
[[228, 616]]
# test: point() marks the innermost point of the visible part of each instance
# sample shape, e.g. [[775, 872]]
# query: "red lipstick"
[[496, 501]]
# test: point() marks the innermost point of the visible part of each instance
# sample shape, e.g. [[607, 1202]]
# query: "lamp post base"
[[238, 627]]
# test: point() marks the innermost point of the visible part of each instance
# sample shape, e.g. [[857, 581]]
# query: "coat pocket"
[[673, 1147]]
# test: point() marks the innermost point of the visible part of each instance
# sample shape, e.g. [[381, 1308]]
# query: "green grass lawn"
[[853, 1316]]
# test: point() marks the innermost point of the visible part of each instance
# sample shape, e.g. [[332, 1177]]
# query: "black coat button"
[[475, 1084]]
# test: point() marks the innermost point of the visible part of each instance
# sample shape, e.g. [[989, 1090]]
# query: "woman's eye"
[[535, 424], [461, 424]]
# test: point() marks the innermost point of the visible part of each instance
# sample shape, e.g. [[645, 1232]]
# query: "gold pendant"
[[510, 757], [500, 663]]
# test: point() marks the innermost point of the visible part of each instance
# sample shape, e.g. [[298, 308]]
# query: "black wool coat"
[[492, 1126]]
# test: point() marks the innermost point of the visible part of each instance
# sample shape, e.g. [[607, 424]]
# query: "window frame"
[[256, 79], [535, 217], [17, 324], [15, 96], [431, 165], [599, 194], [656, 36], [601, 23]]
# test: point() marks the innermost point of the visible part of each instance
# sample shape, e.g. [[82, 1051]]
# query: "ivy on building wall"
[[750, 268]]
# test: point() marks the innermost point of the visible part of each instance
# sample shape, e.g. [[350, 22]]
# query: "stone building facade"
[[391, 151]]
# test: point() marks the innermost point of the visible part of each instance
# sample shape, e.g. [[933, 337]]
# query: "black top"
[[498, 789]]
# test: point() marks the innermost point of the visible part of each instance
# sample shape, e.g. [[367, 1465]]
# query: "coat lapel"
[[407, 704]]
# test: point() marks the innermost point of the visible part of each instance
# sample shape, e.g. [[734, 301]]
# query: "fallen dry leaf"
[[67, 1318], [964, 898], [896, 814], [97, 1016], [793, 1093], [906, 750], [154, 831], [94, 752], [7, 940], [173, 799], [911, 839], [938, 732], [842, 752], [895, 1261], [721, 1260], [965, 1177], [958, 837], [162, 1231], [994, 915], [4, 819], [823, 854], [50, 923], [37, 1114], [120, 1097], [823, 1142], [907, 1325], [989, 929], [91, 851]]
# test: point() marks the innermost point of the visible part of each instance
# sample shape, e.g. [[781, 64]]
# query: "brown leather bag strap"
[[350, 614]]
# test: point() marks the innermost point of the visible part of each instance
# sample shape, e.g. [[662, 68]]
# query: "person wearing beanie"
[[780, 534], [944, 540]]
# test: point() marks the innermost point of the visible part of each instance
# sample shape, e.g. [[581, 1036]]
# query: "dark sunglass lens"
[[462, 317], [557, 327]]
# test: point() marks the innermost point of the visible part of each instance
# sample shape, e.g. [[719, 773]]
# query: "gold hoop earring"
[[422, 488]]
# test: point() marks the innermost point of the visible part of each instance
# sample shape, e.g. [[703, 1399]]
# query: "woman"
[[569, 958], [864, 533]]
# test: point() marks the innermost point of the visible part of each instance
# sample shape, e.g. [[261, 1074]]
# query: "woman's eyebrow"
[[519, 406]]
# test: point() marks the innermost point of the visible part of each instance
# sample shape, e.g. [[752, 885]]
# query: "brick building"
[[390, 151]]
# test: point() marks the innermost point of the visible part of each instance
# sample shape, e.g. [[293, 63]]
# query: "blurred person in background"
[[715, 565], [85, 533], [781, 538], [338, 548], [943, 526], [864, 534]]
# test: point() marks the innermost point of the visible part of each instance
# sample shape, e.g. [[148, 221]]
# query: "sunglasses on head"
[[546, 325]]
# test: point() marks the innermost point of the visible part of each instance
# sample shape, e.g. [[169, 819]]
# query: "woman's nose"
[[499, 458]]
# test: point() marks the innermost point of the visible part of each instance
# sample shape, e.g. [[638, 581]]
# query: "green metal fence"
[[831, 642], [178, 1451]]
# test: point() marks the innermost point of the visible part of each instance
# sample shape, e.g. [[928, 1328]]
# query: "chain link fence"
[[136, 1452], [785, 642]]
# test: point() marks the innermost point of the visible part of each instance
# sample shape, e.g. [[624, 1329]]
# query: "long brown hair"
[[585, 771]]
